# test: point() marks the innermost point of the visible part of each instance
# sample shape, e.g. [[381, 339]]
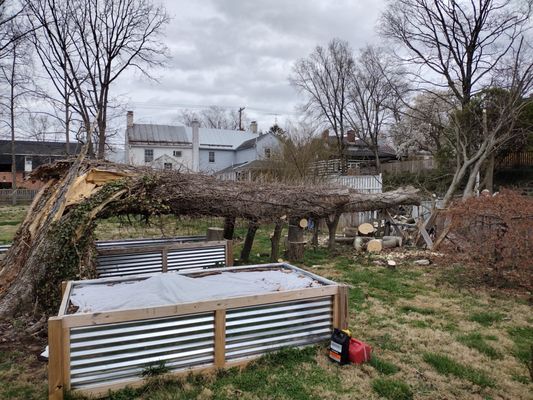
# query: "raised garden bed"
[[224, 317]]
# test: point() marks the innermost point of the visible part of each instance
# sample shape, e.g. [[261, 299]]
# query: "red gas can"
[[359, 352]]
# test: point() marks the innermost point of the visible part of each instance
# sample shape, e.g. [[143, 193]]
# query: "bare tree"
[[324, 78], [374, 94], [461, 46], [85, 45], [214, 117], [15, 75]]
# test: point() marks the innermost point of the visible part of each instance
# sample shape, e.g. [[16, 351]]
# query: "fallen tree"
[[55, 241]]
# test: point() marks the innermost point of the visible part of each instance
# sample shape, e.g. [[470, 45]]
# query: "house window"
[[167, 165], [267, 152], [28, 164], [177, 153], [148, 155], [211, 156]]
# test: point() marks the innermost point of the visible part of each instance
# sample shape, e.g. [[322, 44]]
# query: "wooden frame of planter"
[[93, 353]]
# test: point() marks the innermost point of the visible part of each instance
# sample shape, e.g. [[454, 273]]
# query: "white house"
[[194, 148]]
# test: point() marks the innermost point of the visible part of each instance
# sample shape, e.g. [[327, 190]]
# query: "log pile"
[[364, 238]]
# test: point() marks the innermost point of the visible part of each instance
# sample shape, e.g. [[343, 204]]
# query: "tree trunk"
[[249, 241], [295, 250], [332, 221], [274, 241], [488, 180], [314, 240], [377, 160], [229, 228], [472, 178]]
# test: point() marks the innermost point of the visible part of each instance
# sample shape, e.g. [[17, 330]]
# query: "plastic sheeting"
[[172, 288]]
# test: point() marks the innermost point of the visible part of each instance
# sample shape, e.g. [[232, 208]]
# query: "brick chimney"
[[325, 135], [129, 119], [253, 127], [350, 136]]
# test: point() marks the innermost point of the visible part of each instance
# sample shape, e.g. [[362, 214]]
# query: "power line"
[[173, 106]]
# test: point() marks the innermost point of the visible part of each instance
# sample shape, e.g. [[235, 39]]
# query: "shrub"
[[494, 233]]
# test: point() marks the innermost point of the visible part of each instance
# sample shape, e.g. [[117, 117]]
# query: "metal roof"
[[150, 133], [221, 138], [39, 148], [174, 134]]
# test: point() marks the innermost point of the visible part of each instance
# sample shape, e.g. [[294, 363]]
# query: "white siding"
[[136, 154], [223, 159], [257, 152]]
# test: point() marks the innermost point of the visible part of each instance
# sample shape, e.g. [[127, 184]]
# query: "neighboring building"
[[28, 156], [358, 152], [193, 148]]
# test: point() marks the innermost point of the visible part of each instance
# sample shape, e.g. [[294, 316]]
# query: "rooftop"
[[182, 135]]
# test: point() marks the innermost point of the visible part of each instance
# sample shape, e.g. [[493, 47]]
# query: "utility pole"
[[240, 118]]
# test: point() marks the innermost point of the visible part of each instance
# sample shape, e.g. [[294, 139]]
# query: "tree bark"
[[229, 228], [296, 240], [249, 241], [332, 221], [316, 226], [274, 241]]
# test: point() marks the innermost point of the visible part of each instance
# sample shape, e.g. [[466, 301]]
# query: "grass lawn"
[[432, 338]]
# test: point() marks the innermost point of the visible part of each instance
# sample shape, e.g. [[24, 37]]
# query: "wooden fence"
[[22, 195], [517, 160], [412, 166]]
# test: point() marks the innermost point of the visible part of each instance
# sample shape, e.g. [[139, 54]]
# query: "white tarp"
[[173, 288]]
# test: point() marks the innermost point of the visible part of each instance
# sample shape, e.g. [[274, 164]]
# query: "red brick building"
[[28, 156]]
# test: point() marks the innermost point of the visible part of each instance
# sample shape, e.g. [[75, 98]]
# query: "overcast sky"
[[237, 53]]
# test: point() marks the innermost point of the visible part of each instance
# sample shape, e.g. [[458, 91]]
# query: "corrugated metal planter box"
[[149, 256], [93, 353]]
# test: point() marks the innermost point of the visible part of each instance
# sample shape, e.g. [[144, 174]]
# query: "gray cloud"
[[240, 53]]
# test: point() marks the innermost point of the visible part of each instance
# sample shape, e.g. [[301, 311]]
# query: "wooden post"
[[340, 308], [220, 338], [63, 287], [164, 259], [55, 359], [229, 253]]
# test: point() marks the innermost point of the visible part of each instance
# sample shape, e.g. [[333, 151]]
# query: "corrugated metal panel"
[[129, 264], [150, 262], [106, 354], [257, 330], [105, 244], [204, 257]]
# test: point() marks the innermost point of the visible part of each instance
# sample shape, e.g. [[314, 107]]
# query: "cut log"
[[344, 240], [351, 231], [215, 234], [389, 243], [303, 223], [398, 241], [366, 229], [374, 246]]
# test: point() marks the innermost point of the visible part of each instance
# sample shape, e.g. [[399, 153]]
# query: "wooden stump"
[[366, 229], [296, 243], [374, 246], [214, 234], [295, 252]]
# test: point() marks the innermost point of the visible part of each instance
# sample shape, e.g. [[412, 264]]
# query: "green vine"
[[69, 242]]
